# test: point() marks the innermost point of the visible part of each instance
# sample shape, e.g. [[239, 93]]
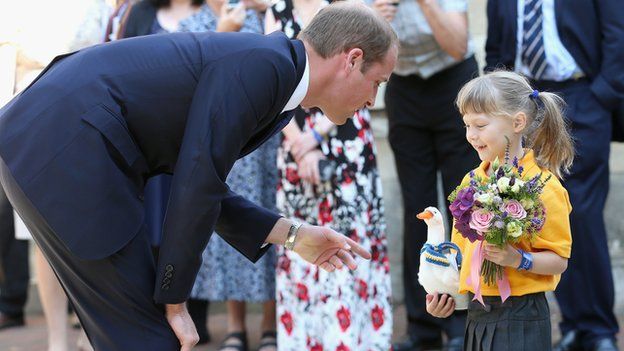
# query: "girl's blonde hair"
[[503, 94]]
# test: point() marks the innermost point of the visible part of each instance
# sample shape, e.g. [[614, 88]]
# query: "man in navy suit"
[[576, 48], [77, 146]]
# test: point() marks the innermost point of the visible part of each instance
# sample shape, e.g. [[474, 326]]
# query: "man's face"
[[353, 90]]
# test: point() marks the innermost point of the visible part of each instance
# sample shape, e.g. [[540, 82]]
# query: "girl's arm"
[[544, 262]]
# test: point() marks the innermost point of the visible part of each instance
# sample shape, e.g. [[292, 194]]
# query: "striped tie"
[[533, 55]]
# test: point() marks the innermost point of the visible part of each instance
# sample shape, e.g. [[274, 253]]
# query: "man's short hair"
[[346, 25]]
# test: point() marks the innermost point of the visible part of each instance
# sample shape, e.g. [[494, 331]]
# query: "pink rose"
[[514, 209], [481, 220]]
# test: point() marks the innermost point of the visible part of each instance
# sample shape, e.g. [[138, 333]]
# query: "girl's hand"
[[507, 256], [302, 145], [231, 20], [440, 306]]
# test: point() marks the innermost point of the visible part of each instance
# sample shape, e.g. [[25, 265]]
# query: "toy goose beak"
[[425, 215]]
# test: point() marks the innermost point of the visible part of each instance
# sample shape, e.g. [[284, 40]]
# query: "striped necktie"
[[533, 54]]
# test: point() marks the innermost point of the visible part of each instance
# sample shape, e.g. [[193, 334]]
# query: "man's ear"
[[355, 59]]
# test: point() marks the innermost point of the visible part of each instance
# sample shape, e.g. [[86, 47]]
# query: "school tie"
[[533, 54]]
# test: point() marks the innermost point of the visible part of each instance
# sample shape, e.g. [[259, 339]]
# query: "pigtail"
[[549, 137]]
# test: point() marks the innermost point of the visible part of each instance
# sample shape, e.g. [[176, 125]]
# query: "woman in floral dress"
[[343, 310]]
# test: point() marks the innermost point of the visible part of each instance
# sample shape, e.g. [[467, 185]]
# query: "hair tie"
[[534, 95]]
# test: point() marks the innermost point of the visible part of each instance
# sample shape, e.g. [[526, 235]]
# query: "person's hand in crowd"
[[324, 247], [440, 306], [308, 166], [257, 5], [305, 143], [231, 19], [386, 8]]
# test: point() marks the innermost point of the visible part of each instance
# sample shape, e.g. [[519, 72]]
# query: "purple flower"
[[515, 161], [463, 202], [500, 173], [499, 224], [537, 223], [463, 227], [520, 170]]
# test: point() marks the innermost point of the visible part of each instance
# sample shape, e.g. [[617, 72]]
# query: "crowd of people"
[[327, 175]]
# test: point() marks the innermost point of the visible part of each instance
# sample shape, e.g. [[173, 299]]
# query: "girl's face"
[[487, 134]]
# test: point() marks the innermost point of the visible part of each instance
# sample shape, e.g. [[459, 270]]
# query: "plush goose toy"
[[439, 267]]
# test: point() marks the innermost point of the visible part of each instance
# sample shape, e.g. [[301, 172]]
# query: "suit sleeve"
[[234, 95], [494, 39], [608, 85]]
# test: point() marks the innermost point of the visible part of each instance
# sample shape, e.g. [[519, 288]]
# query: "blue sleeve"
[[608, 85], [233, 97]]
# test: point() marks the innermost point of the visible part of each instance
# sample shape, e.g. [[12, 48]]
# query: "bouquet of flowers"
[[502, 208]]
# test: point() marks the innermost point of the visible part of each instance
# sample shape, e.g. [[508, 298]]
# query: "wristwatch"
[[527, 261], [292, 236]]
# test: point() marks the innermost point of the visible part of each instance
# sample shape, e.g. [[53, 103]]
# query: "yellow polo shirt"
[[554, 236]]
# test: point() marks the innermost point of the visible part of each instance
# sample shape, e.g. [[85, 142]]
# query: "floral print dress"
[[344, 310]]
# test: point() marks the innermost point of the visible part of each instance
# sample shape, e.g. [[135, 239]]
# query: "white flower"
[[514, 229], [503, 184], [484, 198], [517, 185], [527, 203]]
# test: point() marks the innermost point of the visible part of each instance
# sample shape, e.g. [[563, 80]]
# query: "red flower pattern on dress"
[[377, 317], [302, 292], [316, 347], [342, 347], [287, 321], [292, 176], [362, 289], [344, 318], [325, 215], [284, 263]]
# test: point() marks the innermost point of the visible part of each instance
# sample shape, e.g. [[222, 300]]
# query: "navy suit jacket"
[[591, 30], [83, 138]]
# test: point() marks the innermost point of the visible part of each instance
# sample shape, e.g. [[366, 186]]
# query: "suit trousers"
[[590, 309], [111, 296], [427, 135], [14, 273]]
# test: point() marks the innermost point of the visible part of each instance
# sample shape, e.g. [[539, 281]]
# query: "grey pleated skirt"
[[521, 323]]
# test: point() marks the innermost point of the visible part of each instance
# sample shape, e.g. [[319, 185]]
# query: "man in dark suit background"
[[576, 48], [77, 146], [14, 274]]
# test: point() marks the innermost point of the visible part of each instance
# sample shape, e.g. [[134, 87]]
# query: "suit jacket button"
[[169, 268], [168, 274], [141, 197]]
